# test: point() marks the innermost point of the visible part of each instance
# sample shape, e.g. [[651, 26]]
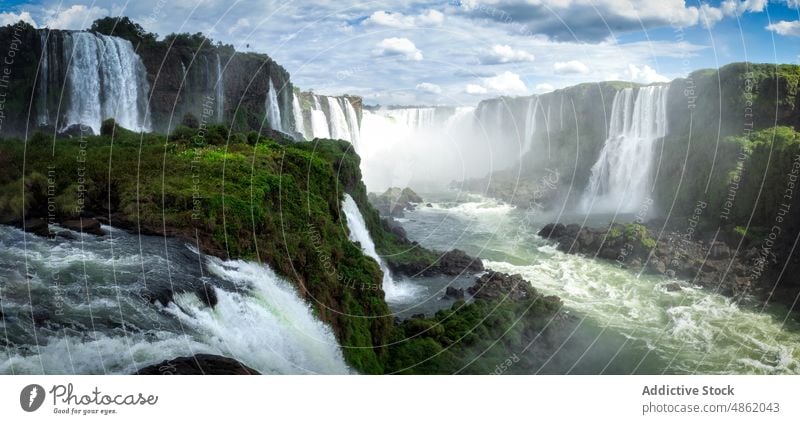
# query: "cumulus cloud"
[[399, 20], [396, 46], [571, 67], [785, 28], [644, 74], [505, 83], [598, 20], [76, 17], [543, 88], [502, 53], [475, 89], [429, 88], [10, 18]]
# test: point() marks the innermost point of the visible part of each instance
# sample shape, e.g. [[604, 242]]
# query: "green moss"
[[271, 202]]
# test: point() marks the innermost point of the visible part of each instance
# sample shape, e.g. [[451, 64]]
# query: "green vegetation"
[[635, 234], [470, 338], [253, 198]]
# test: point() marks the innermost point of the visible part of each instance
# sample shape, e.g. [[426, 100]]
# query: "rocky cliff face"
[[58, 79], [216, 86]]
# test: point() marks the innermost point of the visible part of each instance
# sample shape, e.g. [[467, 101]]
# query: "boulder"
[[207, 294], [200, 364], [453, 293], [498, 285], [552, 231], [84, 225], [456, 262], [37, 226]]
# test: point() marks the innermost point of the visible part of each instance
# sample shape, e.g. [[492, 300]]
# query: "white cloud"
[[241, 24], [710, 16], [785, 28], [396, 46], [543, 88], [76, 17], [429, 88], [644, 75], [475, 89], [505, 83], [399, 20], [503, 53], [431, 18], [10, 18], [571, 67]]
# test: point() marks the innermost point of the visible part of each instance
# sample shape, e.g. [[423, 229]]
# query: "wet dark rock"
[[77, 131], [84, 225], [453, 293], [207, 295], [394, 201], [456, 262], [163, 296], [37, 226], [201, 364], [498, 285], [673, 287], [40, 317]]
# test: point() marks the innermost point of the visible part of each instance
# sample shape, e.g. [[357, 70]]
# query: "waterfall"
[[415, 118], [319, 122], [259, 318], [44, 76], [359, 233], [352, 122], [105, 79], [340, 130], [220, 92], [297, 111], [269, 328], [530, 125], [622, 175], [273, 108]]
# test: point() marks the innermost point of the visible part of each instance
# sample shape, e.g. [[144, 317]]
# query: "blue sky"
[[458, 52]]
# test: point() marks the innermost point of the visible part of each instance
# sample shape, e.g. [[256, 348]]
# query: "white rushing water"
[[269, 327], [395, 291], [273, 108], [642, 323], [105, 79], [340, 129], [622, 176], [319, 121], [297, 111], [220, 88], [108, 328], [352, 122]]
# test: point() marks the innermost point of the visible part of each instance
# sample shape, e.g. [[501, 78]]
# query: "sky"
[[458, 52]]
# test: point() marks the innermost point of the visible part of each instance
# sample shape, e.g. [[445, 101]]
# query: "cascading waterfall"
[[621, 177], [319, 122], [299, 123], [44, 76], [395, 292], [273, 109], [269, 327], [530, 125], [108, 327], [220, 92], [338, 122], [105, 79], [352, 122], [414, 118]]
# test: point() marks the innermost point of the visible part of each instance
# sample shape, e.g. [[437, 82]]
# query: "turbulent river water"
[[84, 306], [628, 323]]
